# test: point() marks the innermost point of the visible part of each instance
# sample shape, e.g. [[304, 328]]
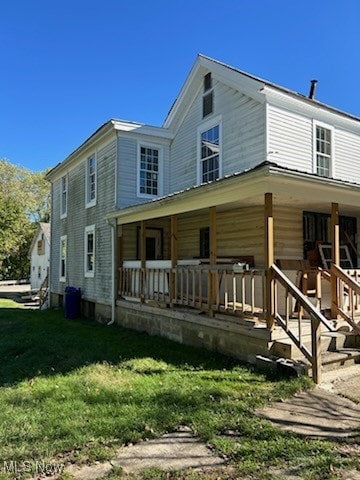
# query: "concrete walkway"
[[172, 451], [323, 412]]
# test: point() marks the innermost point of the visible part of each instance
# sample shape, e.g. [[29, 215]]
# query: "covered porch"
[[234, 249]]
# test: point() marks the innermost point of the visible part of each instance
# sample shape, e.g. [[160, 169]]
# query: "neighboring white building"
[[39, 254]]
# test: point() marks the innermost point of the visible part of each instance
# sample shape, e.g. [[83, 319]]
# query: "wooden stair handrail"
[[340, 273], [300, 297]]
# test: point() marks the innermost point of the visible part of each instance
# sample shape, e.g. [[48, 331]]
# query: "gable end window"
[[210, 154], [208, 104], [207, 82], [91, 181], [64, 190], [323, 151], [63, 248], [89, 259], [208, 96], [149, 173]]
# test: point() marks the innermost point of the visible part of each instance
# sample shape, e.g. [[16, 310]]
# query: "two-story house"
[[243, 177]]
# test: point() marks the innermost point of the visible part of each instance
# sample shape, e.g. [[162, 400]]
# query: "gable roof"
[[254, 86], [45, 229]]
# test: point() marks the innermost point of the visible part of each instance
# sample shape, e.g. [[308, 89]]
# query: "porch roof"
[[267, 177]]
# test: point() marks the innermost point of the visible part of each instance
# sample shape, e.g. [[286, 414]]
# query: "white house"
[[243, 173], [39, 254]]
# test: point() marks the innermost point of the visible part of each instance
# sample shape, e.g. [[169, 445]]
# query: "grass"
[[76, 390]]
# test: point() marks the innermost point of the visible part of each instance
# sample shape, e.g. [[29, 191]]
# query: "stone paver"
[[176, 450]]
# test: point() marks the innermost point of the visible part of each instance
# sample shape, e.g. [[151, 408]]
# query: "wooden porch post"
[[174, 257], [143, 260], [335, 256], [269, 260], [119, 257], [213, 257]]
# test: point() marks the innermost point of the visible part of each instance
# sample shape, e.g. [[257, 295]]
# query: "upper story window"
[[91, 181], [149, 174], [210, 153], [323, 151], [89, 260], [63, 248], [64, 190], [208, 96]]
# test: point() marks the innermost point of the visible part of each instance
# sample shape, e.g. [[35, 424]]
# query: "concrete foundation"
[[237, 338]]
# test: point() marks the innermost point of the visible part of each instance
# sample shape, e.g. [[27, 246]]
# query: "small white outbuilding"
[[39, 254]]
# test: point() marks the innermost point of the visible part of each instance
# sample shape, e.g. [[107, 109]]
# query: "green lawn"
[[76, 390]]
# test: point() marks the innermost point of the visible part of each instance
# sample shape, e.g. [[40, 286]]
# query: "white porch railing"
[[217, 288]]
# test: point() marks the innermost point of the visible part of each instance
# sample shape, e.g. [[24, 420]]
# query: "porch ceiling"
[[289, 187]]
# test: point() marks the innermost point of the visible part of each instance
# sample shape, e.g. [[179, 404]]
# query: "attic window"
[[207, 82], [208, 103]]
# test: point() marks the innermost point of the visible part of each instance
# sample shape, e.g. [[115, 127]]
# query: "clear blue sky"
[[69, 66]]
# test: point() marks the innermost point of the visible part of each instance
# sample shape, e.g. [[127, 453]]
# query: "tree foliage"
[[24, 201]]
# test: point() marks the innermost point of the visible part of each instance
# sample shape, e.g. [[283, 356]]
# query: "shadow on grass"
[[36, 342]]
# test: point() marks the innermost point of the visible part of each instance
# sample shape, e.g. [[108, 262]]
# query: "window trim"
[[201, 129], [332, 148], [64, 214], [62, 278], [160, 149], [92, 202], [90, 229]]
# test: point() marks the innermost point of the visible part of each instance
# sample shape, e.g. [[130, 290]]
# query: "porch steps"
[[340, 358], [339, 348]]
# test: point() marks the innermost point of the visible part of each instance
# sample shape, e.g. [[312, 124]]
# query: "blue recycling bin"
[[72, 302]]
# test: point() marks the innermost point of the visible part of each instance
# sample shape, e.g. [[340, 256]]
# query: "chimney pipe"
[[312, 89]]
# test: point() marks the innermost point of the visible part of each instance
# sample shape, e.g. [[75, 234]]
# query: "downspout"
[[112, 224]]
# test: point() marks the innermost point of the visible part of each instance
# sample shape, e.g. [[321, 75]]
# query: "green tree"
[[24, 201]]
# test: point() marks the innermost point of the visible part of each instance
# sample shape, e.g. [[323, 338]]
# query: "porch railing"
[[348, 295], [295, 330], [216, 288]]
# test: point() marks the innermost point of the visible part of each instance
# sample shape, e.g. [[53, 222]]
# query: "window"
[[210, 154], [91, 181], [64, 187], [207, 82], [39, 271], [207, 104], [63, 247], [323, 151], [208, 97], [149, 171], [205, 242], [89, 251]]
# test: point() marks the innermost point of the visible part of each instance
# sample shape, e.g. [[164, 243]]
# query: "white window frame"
[[89, 230], [62, 278], [63, 211], [90, 202], [332, 148], [213, 122], [160, 149]]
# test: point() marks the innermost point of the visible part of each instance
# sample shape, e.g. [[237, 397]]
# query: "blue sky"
[[67, 67]]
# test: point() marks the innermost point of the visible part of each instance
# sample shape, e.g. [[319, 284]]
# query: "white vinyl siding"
[[242, 132], [63, 258], [89, 249], [64, 196], [91, 181], [347, 155], [290, 139]]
